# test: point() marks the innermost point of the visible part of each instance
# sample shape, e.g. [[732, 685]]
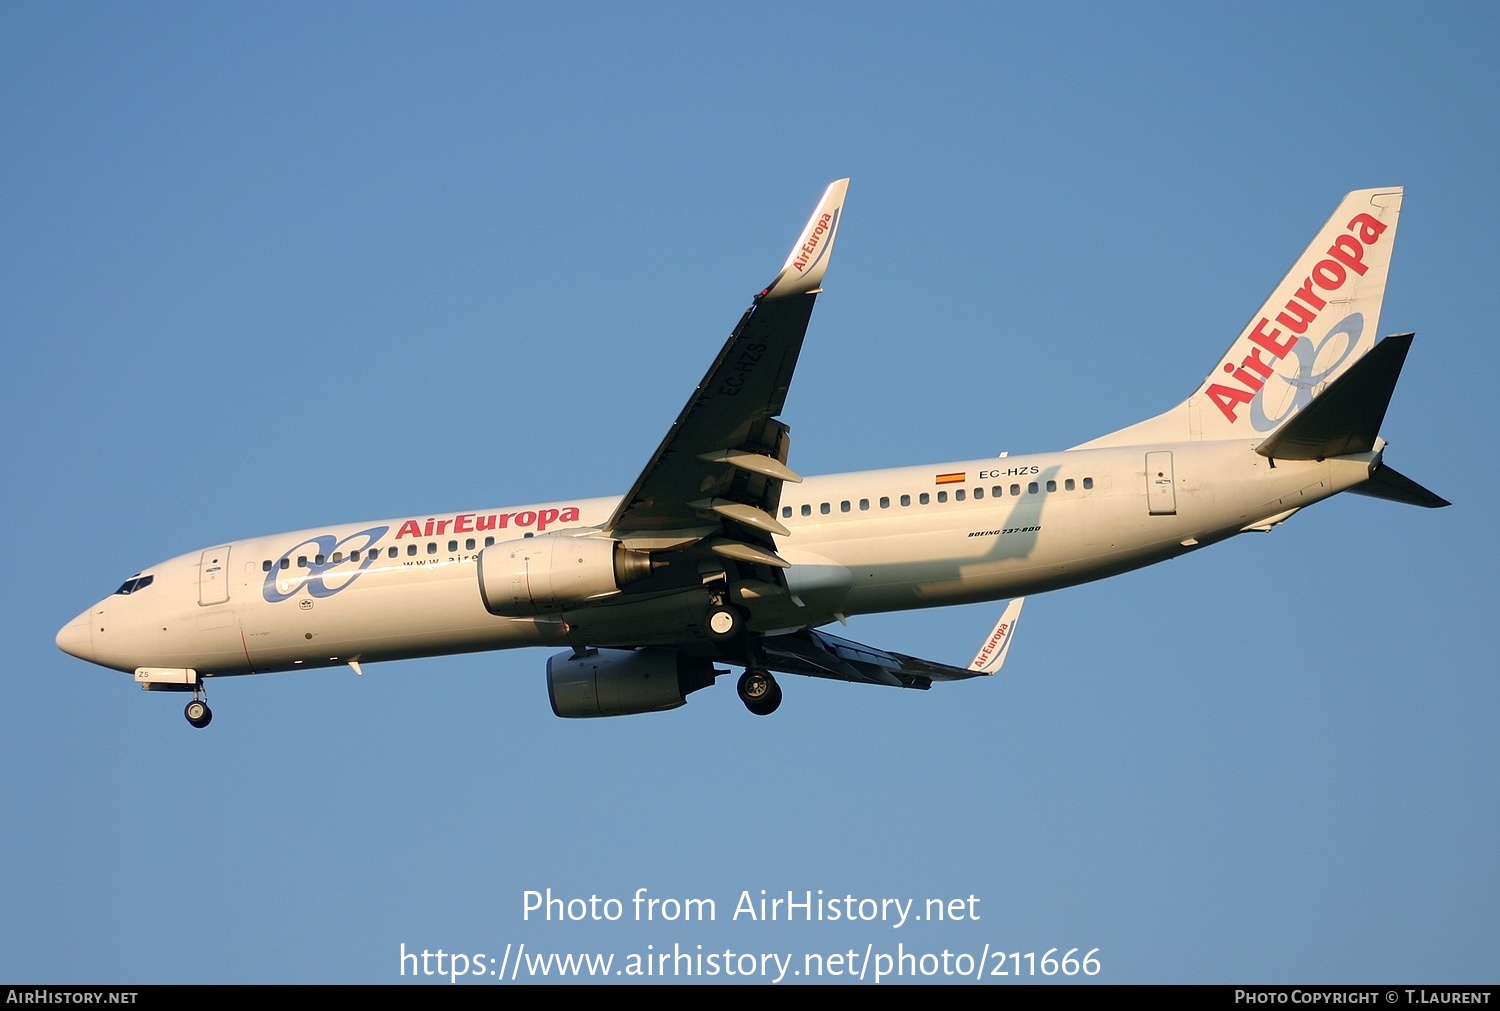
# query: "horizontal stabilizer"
[[1387, 483], [1345, 418]]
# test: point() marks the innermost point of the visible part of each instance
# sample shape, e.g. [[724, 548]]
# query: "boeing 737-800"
[[721, 554]]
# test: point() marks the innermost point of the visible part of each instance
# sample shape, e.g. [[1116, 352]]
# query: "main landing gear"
[[724, 623], [759, 691], [197, 711]]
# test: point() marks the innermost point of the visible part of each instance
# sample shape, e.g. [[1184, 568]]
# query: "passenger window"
[[301, 561], [320, 559], [338, 556], [885, 502], [1015, 489], [265, 566], [823, 509], [488, 541], [958, 496], [978, 493], [1052, 486], [864, 505], [432, 547], [999, 491], [844, 506], [452, 545], [1088, 483], [1068, 484], [906, 500], [392, 553], [1031, 489], [469, 544], [286, 563], [411, 549], [924, 498], [806, 509], [942, 496], [786, 512]]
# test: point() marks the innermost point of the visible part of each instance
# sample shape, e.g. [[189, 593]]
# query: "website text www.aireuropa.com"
[[517, 964]]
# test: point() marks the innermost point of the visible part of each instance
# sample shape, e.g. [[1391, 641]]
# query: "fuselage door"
[[1161, 498], [213, 576]]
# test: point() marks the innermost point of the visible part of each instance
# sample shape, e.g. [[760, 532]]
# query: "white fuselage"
[[859, 543]]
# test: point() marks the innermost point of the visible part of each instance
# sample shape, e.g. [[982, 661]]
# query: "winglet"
[[991, 655], [804, 268]]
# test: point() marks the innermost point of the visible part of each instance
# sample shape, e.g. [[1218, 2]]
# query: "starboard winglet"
[[991, 655], [808, 260]]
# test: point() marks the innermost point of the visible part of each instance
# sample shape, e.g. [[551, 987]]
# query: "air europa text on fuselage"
[[468, 523], [1344, 257]]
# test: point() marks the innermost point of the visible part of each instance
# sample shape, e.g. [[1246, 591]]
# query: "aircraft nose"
[[76, 637]]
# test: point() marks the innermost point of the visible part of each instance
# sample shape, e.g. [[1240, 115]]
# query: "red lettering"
[[525, 518], [485, 522], [464, 523], [1296, 316], [409, 529], [1370, 228], [443, 526], [1268, 340], [1328, 275], [1243, 376], [502, 518], [1252, 361], [569, 515], [1228, 399], [1347, 250], [427, 531], [546, 516], [1309, 296]]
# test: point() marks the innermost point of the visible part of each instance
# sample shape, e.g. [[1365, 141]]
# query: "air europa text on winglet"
[[811, 245]]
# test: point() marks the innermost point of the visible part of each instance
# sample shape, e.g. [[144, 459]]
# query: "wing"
[[819, 654], [716, 478]]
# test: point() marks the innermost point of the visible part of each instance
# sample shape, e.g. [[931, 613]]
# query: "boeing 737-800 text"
[[721, 554]]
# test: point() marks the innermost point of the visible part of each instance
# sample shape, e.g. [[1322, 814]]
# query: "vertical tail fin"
[[1320, 320]]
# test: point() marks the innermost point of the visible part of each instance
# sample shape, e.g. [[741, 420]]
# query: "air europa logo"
[[988, 653], [804, 256], [1345, 257], [468, 523], [323, 577]]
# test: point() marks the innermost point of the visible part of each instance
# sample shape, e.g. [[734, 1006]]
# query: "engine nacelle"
[[621, 682], [535, 575]]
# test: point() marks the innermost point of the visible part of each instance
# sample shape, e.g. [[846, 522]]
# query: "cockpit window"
[[135, 583]]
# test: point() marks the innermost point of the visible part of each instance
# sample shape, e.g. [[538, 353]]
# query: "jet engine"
[[535, 575], [622, 682]]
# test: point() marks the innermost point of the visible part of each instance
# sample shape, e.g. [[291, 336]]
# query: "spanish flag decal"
[[959, 478]]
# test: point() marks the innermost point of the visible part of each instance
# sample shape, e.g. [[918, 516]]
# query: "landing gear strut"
[[759, 691], [197, 711]]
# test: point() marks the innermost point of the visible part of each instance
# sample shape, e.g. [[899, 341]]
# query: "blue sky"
[[269, 267]]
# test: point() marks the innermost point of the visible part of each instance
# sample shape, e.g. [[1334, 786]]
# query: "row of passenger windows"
[[471, 544], [373, 553], [925, 498]]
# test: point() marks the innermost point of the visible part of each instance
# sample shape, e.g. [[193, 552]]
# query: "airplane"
[[720, 553]]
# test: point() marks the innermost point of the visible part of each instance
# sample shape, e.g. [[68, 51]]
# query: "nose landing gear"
[[197, 711], [759, 691]]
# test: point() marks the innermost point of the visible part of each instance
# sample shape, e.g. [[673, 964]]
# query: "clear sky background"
[[268, 267]]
